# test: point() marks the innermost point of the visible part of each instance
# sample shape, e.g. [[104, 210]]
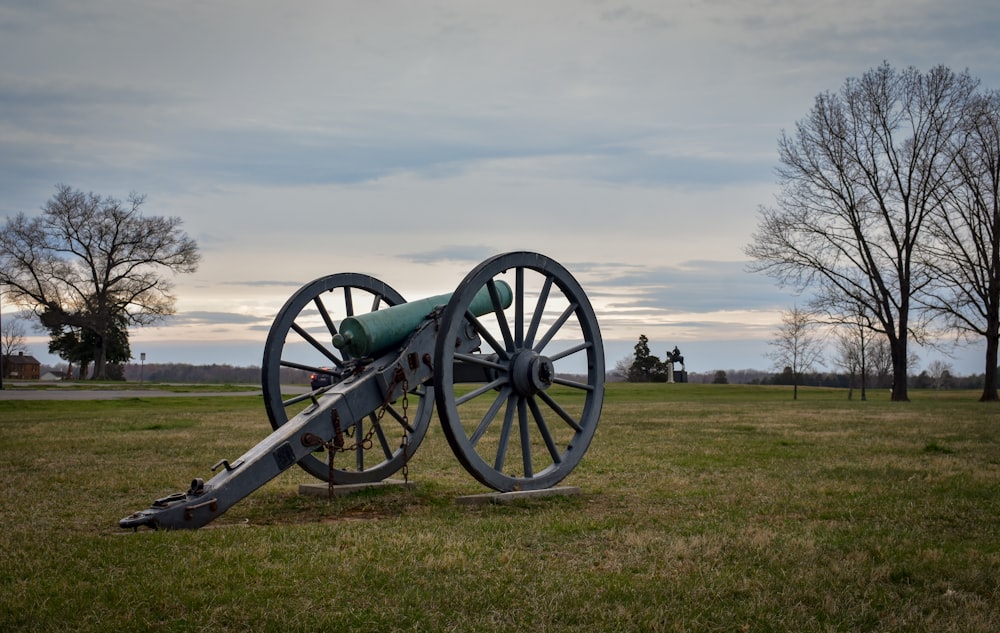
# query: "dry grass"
[[705, 508]]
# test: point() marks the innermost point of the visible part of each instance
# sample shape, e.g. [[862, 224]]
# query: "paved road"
[[108, 394], [69, 393]]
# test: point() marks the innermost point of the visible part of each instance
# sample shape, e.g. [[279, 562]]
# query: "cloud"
[[204, 318], [460, 253], [692, 286], [263, 284], [632, 142]]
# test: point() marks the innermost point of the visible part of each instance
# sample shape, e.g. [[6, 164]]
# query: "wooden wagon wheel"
[[301, 338], [528, 424]]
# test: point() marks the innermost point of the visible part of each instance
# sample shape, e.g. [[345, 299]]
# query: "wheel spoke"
[[519, 307], [317, 345], [391, 410], [297, 399], [555, 327], [522, 422], [503, 444], [572, 383], [569, 351], [490, 416], [536, 318], [359, 431], [348, 301], [501, 317], [484, 333], [478, 392], [543, 429], [560, 411], [321, 308], [291, 365], [480, 360], [382, 440]]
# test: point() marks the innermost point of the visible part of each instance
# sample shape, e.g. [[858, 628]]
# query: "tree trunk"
[[899, 392], [990, 382], [100, 359], [864, 367]]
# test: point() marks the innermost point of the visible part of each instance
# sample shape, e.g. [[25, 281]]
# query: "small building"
[[21, 367]]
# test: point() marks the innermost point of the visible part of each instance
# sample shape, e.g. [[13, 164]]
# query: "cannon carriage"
[[512, 361]]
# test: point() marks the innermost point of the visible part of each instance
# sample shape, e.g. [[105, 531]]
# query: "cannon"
[[512, 360]]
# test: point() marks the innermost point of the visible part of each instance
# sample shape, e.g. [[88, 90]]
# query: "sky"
[[633, 142]]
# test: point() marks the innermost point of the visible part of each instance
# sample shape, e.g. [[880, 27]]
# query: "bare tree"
[[796, 346], [853, 342], [13, 339], [13, 336], [851, 358], [880, 362], [859, 177], [93, 263], [940, 373], [964, 252]]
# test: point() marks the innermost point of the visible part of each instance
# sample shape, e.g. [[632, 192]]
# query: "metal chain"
[[404, 443], [337, 445], [332, 447]]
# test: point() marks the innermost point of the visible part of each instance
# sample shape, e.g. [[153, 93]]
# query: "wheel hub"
[[531, 372]]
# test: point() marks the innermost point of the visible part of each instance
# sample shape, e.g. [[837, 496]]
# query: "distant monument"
[[676, 357]]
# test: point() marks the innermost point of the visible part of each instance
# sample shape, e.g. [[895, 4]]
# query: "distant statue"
[[675, 357]]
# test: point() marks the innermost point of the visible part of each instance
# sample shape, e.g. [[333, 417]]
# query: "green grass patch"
[[704, 508]]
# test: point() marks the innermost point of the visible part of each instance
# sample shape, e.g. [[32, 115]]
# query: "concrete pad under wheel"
[[503, 498], [323, 490]]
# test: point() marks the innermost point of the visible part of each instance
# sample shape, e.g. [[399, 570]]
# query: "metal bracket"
[[229, 467]]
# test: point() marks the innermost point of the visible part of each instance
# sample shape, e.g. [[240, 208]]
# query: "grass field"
[[704, 508]]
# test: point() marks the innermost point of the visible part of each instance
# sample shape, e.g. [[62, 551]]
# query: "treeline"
[[923, 380], [177, 372], [230, 374], [185, 373]]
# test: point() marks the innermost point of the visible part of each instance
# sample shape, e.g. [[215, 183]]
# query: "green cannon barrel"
[[368, 334]]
